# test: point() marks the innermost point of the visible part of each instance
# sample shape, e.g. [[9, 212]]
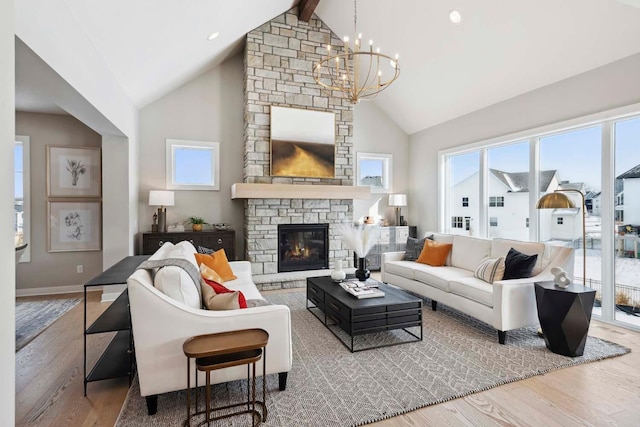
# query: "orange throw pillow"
[[217, 261], [210, 274], [434, 254]]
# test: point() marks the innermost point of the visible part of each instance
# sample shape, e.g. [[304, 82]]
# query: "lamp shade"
[[160, 198], [397, 200], [555, 201]]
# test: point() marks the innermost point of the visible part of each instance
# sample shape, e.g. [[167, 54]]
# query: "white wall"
[[375, 132], [7, 256], [208, 108], [604, 88]]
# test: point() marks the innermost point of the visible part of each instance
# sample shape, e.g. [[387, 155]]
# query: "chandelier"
[[357, 72]]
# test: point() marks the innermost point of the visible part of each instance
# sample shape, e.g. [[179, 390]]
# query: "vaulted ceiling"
[[500, 50]]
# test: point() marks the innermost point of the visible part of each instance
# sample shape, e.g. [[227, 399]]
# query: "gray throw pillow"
[[414, 248]]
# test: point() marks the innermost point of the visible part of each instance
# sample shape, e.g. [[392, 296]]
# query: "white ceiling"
[[502, 48]]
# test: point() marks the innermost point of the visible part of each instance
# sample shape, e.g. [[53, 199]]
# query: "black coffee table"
[[334, 307]]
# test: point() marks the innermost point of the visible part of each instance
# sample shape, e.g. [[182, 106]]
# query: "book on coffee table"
[[360, 290]]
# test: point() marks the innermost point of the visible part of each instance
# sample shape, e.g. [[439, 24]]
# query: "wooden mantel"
[[301, 191]]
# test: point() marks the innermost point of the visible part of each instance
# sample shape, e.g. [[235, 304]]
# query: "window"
[[527, 223], [496, 202], [22, 196], [560, 220], [192, 165], [493, 221], [467, 223], [463, 173], [456, 222], [376, 171], [626, 231]]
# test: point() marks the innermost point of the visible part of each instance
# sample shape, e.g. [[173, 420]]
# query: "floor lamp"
[[558, 200]]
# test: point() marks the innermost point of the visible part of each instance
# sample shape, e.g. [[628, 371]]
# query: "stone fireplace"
[[278, 62]]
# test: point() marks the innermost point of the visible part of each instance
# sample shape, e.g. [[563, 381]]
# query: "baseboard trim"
[[56, 290]]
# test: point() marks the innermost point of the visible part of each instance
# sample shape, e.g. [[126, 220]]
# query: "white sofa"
[[161, 323], [505, 304]]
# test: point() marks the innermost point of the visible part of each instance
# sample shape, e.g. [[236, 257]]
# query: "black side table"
[[564, 316]]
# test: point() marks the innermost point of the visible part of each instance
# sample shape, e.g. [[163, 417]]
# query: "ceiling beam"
[[306, 9]]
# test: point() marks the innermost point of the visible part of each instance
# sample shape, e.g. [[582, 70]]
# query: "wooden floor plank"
[[49, 386]]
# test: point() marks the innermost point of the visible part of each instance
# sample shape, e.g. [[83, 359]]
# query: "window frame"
[[170, 165], [465, 202]]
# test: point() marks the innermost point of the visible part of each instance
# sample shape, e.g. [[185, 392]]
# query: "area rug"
[[329, 386], [33, 317]]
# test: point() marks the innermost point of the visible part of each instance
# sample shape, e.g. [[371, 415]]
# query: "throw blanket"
[[191, 270]]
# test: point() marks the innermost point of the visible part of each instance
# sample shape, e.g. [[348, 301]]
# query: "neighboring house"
[[628, 209], [509, 207], [594, 203]]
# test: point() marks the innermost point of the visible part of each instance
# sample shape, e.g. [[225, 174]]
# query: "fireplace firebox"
[[303, 247]]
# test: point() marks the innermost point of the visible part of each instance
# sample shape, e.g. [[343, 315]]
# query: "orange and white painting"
[[302, 143]]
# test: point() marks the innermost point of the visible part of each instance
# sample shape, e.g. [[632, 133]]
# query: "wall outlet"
[[79, 269]]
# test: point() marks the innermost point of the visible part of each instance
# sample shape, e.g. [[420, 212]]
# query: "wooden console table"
[[118, 359], [212, 239]]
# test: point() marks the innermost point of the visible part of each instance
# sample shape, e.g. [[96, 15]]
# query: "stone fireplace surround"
[[278, 62]]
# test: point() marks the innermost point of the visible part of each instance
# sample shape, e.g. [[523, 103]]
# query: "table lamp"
[[397, 201], [161, 198], [558, 200]]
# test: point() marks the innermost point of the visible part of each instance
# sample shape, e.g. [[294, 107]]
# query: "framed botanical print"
[[375, 170], [74, 171], [74, 226]]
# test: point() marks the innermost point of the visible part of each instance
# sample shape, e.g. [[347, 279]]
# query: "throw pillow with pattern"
[[490, 270]]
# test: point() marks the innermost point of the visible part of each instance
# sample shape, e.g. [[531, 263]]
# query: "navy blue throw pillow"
[[518, 265], [203, 250]]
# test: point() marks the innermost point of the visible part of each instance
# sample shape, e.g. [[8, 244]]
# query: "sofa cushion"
[[439, 277], [443, 238], [501, 247], [217, 297], [469, 252], [434, 254], [490, 270], [518, 265], [175, 282], [218, 262], [414, 247], [474, 289], [401, 268]]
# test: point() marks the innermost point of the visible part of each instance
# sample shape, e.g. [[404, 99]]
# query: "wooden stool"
[[224, 350]]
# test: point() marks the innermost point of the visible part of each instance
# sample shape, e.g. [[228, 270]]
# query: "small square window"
[[493, 221], [465, 202], [560, 220]]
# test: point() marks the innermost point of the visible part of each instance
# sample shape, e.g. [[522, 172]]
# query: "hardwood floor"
[[49, 386]]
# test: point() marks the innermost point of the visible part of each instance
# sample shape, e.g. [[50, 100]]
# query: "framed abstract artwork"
[[375, 170], [302, 143], [74, 226], [74, 172]]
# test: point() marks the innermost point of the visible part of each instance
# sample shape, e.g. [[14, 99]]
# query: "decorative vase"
[[197, 227], [338, 274], [362, 273]]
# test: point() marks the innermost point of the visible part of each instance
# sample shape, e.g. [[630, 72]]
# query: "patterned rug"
[[329, 386], [33, 317]]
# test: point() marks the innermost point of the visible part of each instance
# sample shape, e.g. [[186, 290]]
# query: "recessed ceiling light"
[[455, 17], [213, 36]]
